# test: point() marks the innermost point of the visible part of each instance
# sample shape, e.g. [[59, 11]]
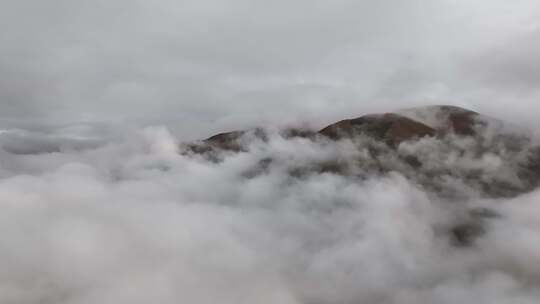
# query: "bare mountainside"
[[425, 205], [451, 153], [443, 149]]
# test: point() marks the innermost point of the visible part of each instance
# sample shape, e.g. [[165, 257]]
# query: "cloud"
[[97, 208], [132, 220], [200, 68]]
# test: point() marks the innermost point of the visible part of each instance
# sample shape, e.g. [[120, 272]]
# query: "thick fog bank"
[[135, 221]]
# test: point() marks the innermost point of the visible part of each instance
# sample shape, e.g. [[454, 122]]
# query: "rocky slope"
[[430, 145], [449, 152]]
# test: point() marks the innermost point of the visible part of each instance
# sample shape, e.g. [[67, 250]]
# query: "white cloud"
[[200, 68], [133, 221]]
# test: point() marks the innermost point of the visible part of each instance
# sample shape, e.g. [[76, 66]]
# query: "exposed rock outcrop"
[[460, 144], [390, 128], [448, 151]]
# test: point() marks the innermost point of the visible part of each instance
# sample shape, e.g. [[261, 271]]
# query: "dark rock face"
[[462, 121], [228, 141], [232, 140], [472, 226]]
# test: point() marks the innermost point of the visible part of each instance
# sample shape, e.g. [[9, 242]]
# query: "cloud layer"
[[131, 220], [98, 208]]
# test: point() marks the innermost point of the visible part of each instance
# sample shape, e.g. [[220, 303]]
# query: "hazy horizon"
[[201, 67]]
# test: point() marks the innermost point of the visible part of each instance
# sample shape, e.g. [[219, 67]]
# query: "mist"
[[102, 202], [133, 220]]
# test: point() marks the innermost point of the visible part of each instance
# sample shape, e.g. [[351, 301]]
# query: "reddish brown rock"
[[391, 128], [462, 123]]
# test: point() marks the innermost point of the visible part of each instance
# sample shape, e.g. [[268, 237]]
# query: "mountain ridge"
[[449, 152]]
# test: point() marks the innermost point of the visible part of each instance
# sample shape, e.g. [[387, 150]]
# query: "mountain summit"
[[444, 149], [451, 153]]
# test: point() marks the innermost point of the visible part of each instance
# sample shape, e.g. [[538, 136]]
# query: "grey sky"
[[203, 66]]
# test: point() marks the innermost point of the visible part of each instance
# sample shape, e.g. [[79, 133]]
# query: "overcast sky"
[[199, 67]]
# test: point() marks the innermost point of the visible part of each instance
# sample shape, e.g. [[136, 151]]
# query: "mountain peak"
[[458, 144], [392, 128]]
